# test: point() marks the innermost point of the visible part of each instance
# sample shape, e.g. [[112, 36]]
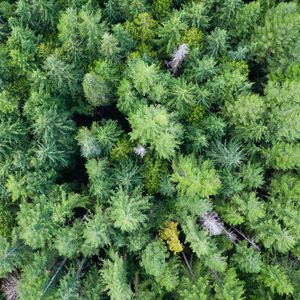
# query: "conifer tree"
[[114, 274], [149, 149], [154, 125], [195, 178]]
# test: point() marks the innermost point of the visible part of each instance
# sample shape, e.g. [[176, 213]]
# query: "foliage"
[[170, 234], [195, 178], [154, 125], [113, 274], [149, 149], [128, 211], [273, 44], [247, 259], [98, 84], [232, 287]]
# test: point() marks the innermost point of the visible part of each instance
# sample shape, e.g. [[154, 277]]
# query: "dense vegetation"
[[149, 149]]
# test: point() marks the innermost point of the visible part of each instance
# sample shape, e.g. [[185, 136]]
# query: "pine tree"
[[128, 210], [232, 287], [228, 155], [283, 156], [195, 178], [143, 76], [62, 74], [22, 44], [69, 33], [171, 32], [91, 29], [12, 134], [38, 276], [98, 84], [154, 258], [182, 96], [217, 42], [196, 14], [96, 232], [38, 14], [154, 125], [35, 223], [110, 47], [9, 256], [247, 259], [70, 284], [100, 183], [283, 103], [275, 278], [114, 275], [273, 44], [69, 240]]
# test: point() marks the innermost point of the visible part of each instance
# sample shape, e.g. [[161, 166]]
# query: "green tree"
[[143, 77], [91, 29], [273, 44], [232, 287], [284, 110], [217, 42], [22, 44], [275, 278], [114, 275], [98, 85], [154, 125], [194, 177], [13, 136], [38, 14], [127, 210], [247, 259], [9, 256], [171, 32], [99, 178], [96, 232]]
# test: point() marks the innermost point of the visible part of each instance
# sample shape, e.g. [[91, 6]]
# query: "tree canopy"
[[149, 149]]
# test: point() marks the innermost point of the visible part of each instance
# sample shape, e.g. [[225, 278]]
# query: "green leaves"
[[154, 125], [154, 258], [247, 259], [171, 32], [114, 278], [99, 140], [143, 76], [154, 261], [217, 42], [203, 246], [35, 278], [128, 209], [38, 14], [283, 102], [12, 134], [96, 232], [228, 155], [274, 45], [273, 235], [232, 287], [195, 178], [34, 220], [283, 156], [9, 256], [98, 85], [198, 240], [275, 278], [80, 31], [100, 184]]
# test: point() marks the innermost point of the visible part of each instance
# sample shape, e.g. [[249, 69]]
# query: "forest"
[[149, 149]]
